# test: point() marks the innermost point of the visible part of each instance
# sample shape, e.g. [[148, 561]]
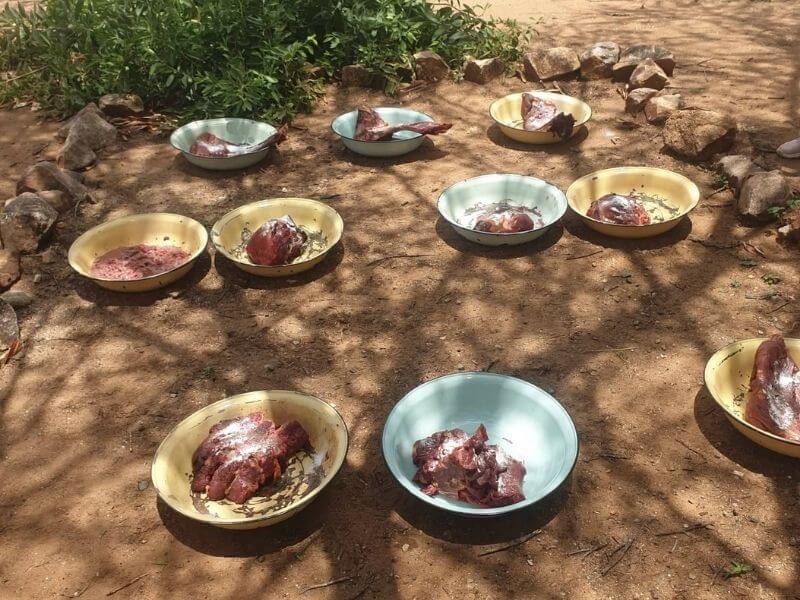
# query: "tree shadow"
[[677, 234], [495, 134]]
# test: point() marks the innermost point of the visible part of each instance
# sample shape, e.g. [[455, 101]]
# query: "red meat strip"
[[371, 128], [276, 242], [539, 114], [774, 402], [209, 145], [618, 209]]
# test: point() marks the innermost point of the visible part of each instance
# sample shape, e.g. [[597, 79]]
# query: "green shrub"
[[248, 58]]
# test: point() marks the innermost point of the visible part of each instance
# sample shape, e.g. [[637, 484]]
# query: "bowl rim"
[[301, 503], [538, 92], [728, 412], [457, 225], [136, 217], [389, 141], [692, 186], [223, 220], [217, 120], [467, 510]]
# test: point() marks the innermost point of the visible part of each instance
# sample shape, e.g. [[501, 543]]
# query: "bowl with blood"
[[507, 114], [235, 131]]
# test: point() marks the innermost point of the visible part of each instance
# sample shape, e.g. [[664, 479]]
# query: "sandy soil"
[[621, 336]]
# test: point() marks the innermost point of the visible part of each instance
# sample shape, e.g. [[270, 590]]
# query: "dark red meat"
[[618, 209], [466, 467], [539, 114], [210, 146], [371, 128], [509, 221], [276, 242], [130, 263], [774, 402]]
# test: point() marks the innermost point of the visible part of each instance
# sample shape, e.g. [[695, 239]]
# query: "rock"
[[58, 199], [47, 176], [630, 58], [90, 108], [659, 107], [762, 191], [736, 168], [598, 61], [636, 99], [75, 154], [25, 221], [121, 105], [430, 66], [356, 76], [483, 70], [9, 268], [648, 75], [697, 134], [88, 131], [791, 229], [544, 64], [143, 484], [17, 299]]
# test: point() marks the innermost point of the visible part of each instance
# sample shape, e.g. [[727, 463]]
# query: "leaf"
[[737, 569], [771, 278]]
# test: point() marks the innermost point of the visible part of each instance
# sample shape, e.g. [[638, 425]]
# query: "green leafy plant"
[[737, 569], [720, 182], [778, 211], [771, 279]]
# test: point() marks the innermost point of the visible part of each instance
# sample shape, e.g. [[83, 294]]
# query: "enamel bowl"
[[314, 216], [306, 475], [237, 131], [401, 143], [727, 378], [517, 189], [507, 113], [679, 192], [521, 418], [156, 229]]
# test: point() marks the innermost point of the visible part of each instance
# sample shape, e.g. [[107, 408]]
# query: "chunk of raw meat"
[[539, 114], [371, 128], [467, 468], [276, 242], [774, 402], [209, 145], [130, 263], [618, 209], [509, 221]]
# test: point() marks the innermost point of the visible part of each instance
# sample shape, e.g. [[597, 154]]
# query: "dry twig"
[[584, 255], [130, 583], [519, 542], [620, 552], [317, 586]]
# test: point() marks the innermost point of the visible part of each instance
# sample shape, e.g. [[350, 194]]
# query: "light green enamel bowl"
[[524, 420], [401, 143], [237, 131]]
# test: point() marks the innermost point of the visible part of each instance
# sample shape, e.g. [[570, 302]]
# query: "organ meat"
[[130, 263], [241, 455], [371, 128], [209, 145], [467, 468], [539, 114], [774, 402], [618, 209], [276, 242]]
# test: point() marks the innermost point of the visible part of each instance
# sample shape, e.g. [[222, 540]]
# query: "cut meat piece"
[[467, 468], [367, 119], [276, 242], [539, 114], [370, 127], [509, 221], [618, 209], [209, 145], [774, 402]]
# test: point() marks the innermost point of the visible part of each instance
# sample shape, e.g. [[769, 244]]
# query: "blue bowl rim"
[[390, 141], [186, 152]]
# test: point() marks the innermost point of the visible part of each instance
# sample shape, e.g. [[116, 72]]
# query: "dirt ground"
[[621, 336]]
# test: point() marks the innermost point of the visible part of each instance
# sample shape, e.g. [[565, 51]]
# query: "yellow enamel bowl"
[[311, 215], [727, 378], [306, 474], [157, 229], [507, 113], [677, 191]]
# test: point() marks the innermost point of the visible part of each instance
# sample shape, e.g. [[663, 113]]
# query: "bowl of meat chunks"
[[538, 117]]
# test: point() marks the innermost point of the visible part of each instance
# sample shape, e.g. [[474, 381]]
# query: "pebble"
[[143, 485], [739, 474], [406, 547], [17, 299], [37, 278]]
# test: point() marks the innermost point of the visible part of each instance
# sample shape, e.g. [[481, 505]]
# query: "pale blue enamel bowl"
[[524, 420], [236, 131], [401, 143]]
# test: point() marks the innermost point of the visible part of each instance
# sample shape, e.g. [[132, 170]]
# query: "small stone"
[[630, 58], [45, 176], [484, 70], [406, 547], [121, 105], [648, 74], [762, 191], [598, 61], [697, 135], [17, 299], [753, 519], [37, 277], [88, 131], [739, 474], [143, 485], [545, 64], [25, 221], [736, 168], [660, 107], [430, 66], [9, 268], [636, 99], [357, 76]]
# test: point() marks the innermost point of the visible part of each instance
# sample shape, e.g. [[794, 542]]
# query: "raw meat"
[[241, 455], [276, 242], [467, 468], [539, 114], [130, 263], [774, 402], [618, 209], [510, 220], [371, 128], [210, 146]]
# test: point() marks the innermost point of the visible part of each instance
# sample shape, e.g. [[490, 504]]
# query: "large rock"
[[697, 135], [121, 105], [636, 99], [17, 298], [9, 267], [88, 131], [648, 74], [762, 191], [598, 61], [59, 200], [483, 70], [659, 107], [736, 168], [47, 176], [630, 58], [430, 66], [25, 221], [90, 108], [545, 64], [357, 76]]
